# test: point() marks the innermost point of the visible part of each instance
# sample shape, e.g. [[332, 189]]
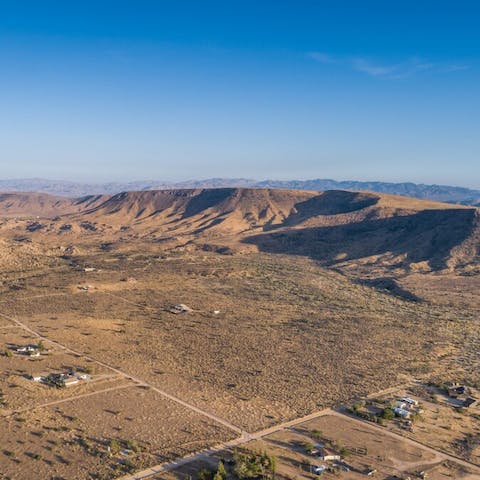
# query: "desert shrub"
[[204, 474], [133, 445], [308, 447], [344, 452], [114, 446], [253, 465], [387, 414], [357, 406], [221, 471], [416, 418]]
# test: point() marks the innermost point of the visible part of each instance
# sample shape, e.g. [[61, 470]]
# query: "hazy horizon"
[[226, 179]]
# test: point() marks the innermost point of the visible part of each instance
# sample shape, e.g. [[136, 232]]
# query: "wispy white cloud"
[[373, 69], [321, 57], [404, 69]]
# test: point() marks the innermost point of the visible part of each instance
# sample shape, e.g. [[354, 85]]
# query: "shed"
[[180, 308], [70, 381], [327, 455]]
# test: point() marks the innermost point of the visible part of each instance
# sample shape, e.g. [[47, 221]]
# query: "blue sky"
[[173, 90]]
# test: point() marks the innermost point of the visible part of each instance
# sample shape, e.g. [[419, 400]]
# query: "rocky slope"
[[341, 228]]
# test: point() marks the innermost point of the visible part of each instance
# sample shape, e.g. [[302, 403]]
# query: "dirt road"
[[411, 441], [124, 374], [204, 455]]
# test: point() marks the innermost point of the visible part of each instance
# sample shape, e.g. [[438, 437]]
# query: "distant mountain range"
[[441, 193]]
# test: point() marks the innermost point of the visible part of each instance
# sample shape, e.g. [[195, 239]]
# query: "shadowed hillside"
[[342, 228], [427, 236]]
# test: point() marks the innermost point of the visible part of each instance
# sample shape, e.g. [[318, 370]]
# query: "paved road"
[[204, 455], [139, 381]]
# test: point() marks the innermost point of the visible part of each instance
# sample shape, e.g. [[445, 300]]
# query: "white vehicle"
[[318, 469]]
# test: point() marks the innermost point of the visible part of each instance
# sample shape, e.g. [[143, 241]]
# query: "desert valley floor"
[[273, 334]]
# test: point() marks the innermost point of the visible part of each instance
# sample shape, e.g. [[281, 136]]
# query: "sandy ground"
[[290, 338], [369, 449], [442, 426], [71, 440]]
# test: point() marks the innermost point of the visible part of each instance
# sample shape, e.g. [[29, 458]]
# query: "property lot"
[[19, 375], [362, 449], [102, 436], [443, 424], [365, 448]]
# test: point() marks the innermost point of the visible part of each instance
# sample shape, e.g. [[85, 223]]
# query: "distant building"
[[61, 380], [410, 401], [30, 350]]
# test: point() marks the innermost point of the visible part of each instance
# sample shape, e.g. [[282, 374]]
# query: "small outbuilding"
[[328, 455], [70, 380], [180, 308]]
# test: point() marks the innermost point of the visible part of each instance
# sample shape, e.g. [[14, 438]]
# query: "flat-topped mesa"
[[334, 226], [254, 202], [260, 205]]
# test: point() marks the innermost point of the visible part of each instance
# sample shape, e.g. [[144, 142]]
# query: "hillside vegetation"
[[357, 230]]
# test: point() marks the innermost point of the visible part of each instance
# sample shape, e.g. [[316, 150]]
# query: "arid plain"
[[299, 301]]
